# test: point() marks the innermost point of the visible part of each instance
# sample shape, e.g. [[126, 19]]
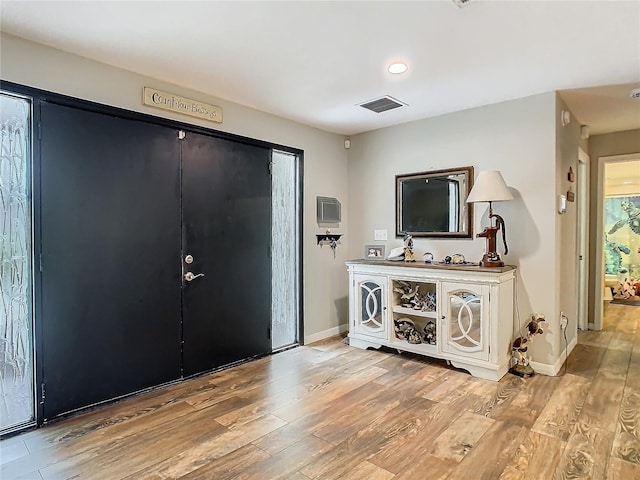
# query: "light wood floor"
[[331, 411]]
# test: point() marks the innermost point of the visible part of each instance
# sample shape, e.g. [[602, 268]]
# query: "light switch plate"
[[379, 234]]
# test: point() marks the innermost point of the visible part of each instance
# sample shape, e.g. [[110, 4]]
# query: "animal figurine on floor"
[[520, 360]]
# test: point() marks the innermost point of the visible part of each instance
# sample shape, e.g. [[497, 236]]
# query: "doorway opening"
[[618, 223]]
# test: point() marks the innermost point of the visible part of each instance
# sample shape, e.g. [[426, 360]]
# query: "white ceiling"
[[314, 62]]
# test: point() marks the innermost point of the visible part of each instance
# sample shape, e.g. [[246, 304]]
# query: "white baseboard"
[[315, 337], [552, 370]]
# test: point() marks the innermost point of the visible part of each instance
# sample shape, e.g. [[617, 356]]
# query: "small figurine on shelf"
[[407, 291], [408, 249], [413, 336], [430, 333], [429, 303], [402, 327], [405, 329], [418, 301], [520, 361]]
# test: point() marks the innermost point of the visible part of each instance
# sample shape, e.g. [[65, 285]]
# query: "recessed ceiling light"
[[396, 68]]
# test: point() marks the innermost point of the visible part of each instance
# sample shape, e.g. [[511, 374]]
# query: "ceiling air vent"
[[382, 104], [461, 3]]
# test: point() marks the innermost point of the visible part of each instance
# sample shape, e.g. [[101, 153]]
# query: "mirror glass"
[[433, 204]]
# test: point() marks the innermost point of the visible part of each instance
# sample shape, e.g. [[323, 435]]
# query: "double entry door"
[[155, 255]]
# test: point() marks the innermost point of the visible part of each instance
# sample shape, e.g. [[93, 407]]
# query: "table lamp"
[[490, 187]]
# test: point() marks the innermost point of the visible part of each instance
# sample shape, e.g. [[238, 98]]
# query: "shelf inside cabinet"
[[414, 312]]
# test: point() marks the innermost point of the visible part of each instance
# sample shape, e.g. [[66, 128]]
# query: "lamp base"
[[491, 259]]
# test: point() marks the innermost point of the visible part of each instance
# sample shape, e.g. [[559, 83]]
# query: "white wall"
[[567, 143], [517, 138], [325, 159]]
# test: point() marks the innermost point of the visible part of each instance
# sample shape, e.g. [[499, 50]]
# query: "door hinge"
[[39, 130], [271, 167], [181, 134], [40, 261], [42, 394], [269, 333]]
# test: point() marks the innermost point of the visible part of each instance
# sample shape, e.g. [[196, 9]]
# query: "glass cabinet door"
[[466, 319], [370, 304]]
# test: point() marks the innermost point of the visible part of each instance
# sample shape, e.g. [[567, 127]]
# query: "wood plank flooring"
[[329, 411]]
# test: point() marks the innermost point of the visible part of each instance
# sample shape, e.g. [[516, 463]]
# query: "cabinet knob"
[[443, 317]]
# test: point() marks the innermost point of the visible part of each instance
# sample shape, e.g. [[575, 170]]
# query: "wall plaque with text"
[[176, 103]]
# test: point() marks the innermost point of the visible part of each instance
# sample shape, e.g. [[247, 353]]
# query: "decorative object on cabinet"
[[427, 257], [433, 204], [374, 252], [458, 259], [520, 360], [408, 249], [571, 176], [396, 254], [490, 187], [461, 313]]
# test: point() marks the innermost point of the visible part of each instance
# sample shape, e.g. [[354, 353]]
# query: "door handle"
[[190, 276]]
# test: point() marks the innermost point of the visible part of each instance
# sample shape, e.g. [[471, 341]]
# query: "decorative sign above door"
[[176, 103]]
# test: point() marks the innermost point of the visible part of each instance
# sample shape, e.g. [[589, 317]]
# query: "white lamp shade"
[[489, 187]]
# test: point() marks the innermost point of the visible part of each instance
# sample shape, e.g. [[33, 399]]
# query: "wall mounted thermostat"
[[562, 204]]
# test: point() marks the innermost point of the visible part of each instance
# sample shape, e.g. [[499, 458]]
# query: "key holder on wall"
[[330, 239], [328, 215]]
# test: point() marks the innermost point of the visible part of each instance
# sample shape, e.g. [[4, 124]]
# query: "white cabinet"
[[461, 313]]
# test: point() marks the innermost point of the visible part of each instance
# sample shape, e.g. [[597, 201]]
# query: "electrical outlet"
[[563, 320], [379, 234]]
